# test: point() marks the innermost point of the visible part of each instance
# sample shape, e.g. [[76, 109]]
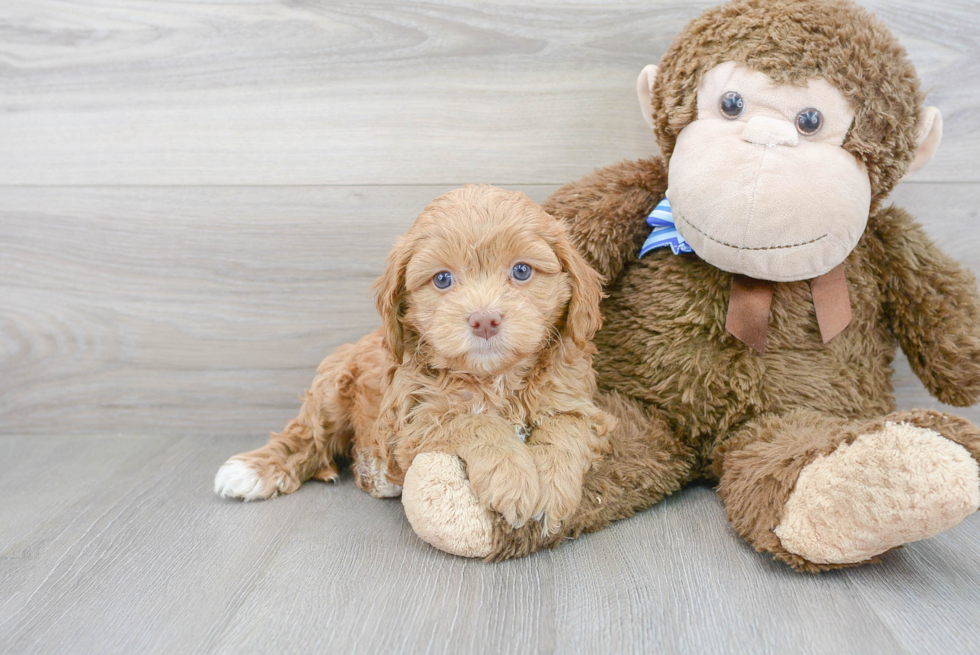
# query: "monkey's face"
[[759, 183]]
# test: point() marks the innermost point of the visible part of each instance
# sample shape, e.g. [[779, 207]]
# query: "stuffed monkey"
[[754, 348]]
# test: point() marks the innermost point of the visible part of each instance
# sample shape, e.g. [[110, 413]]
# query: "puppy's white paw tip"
[[236, 479]]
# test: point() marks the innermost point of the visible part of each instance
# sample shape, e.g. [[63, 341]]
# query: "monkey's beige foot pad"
[[442, 508], [887, 488]]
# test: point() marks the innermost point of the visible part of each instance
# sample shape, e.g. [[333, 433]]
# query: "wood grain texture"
[[153, 92], [206, 309], [126, 550]]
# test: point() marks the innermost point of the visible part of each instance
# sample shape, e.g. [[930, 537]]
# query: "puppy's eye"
[[732, 105], [809, 121], [443, 280], [521, 271]]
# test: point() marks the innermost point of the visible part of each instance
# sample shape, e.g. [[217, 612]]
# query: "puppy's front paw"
[[238, 478], [561, 492], [507, 483], [555, 507]]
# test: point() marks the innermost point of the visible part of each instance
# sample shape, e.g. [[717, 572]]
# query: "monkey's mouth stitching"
[[729, 245]]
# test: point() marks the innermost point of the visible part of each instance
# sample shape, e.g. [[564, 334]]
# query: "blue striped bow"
[[664, 233]]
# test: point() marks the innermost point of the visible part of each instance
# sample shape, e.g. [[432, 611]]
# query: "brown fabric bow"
[[751, 299]]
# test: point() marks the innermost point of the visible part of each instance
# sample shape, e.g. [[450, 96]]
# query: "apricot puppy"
[[484, 352]]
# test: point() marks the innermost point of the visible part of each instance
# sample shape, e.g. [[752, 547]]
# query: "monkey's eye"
[[809, 121], [732, 105], [442, 280], [521, 271]]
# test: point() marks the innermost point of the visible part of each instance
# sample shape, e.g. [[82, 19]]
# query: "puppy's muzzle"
[[485, 324]]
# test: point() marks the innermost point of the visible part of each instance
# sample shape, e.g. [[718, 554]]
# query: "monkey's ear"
[[644, 91], [929, 134]]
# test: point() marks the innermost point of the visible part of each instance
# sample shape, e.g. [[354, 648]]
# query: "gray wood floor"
[[119, 547], [194, 201]]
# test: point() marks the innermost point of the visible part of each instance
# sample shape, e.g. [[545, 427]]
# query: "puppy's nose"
[[485, 324], [765, 131]]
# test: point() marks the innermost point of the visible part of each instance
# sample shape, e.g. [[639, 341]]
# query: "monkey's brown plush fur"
[[692, 400]]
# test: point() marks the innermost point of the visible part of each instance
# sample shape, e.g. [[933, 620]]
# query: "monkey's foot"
[[886, 488]]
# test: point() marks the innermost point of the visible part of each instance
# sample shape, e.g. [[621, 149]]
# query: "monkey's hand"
[[933, 309]]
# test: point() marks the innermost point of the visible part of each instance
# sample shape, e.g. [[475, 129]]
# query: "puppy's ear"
[[389, 297], [583, 318]]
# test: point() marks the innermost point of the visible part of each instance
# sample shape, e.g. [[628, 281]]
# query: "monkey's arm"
[[605, 211], [933, 308]]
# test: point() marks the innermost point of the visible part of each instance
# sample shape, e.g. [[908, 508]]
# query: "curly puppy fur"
[[427, 380]]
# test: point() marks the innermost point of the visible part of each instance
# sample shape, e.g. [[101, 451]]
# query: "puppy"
[[484, 352]]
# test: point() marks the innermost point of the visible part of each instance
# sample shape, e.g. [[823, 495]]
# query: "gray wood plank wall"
[[195, 197]]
